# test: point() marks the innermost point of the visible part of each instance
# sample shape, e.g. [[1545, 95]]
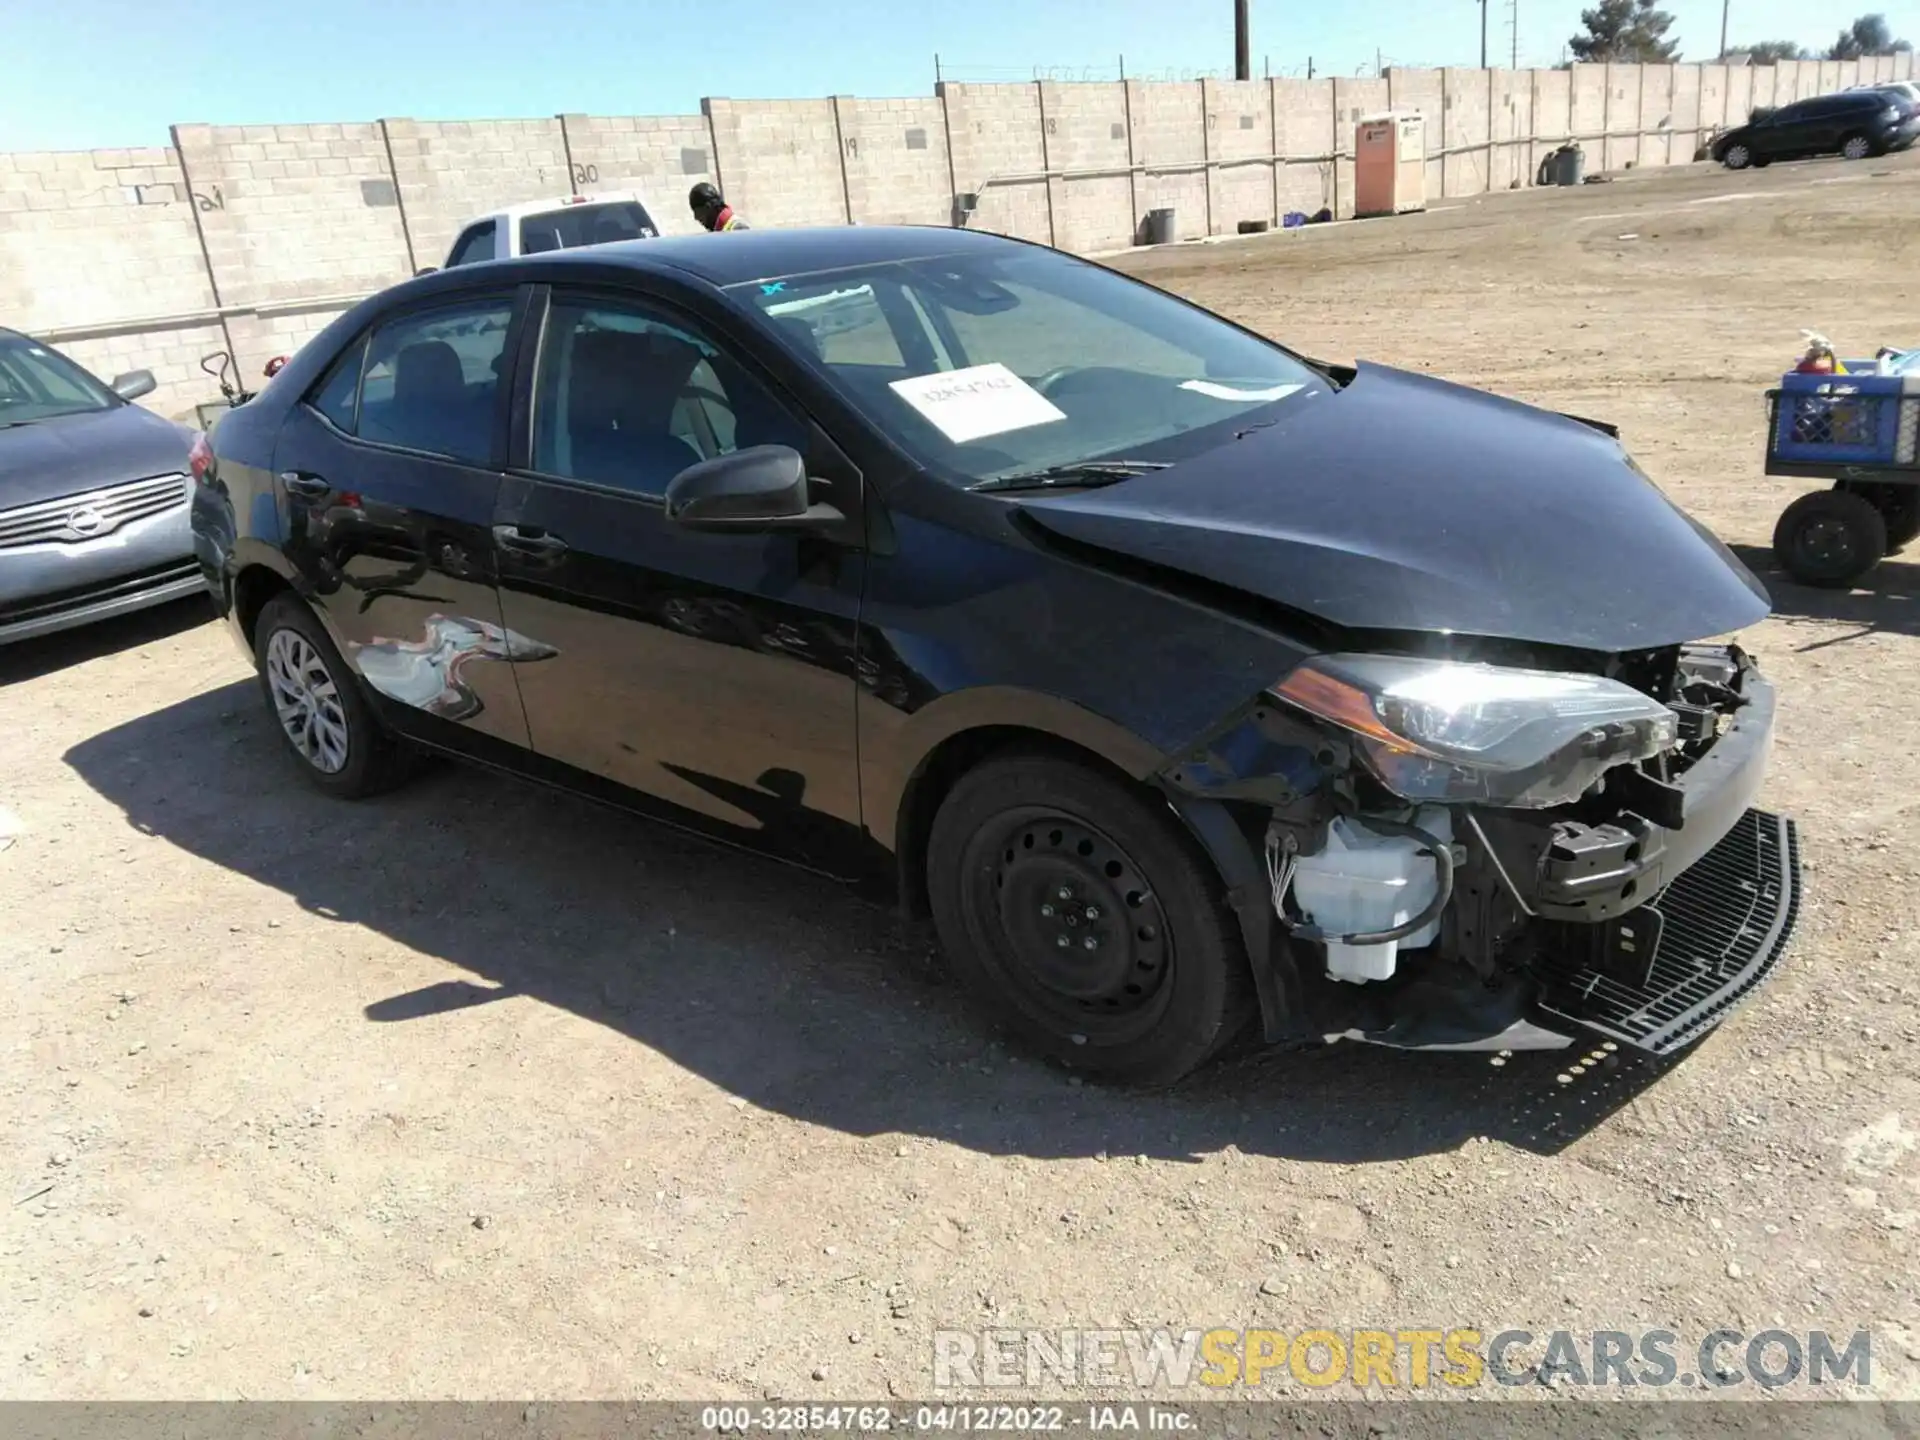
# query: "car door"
[[714, 674], [1780, 135], [388, 474]]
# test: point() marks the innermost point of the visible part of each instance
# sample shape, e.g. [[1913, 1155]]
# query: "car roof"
[[744, 255], [560, 202]]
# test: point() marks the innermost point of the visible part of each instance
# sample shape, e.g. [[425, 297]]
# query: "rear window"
[[576, 225]]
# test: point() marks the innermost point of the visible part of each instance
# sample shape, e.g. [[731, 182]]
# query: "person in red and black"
[[711, 210]]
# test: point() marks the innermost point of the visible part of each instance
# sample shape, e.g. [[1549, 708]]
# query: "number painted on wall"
[[207, 203], [586, 174]]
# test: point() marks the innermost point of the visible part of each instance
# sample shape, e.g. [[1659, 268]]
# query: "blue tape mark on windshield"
[[774, 289]]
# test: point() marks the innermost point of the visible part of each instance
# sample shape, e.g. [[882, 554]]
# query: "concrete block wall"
[[1684, 138], [1655, 108], [1085, 127], [1240, 143], [449, 171], [1510, 127], [895, 156], [660, 156], [253, 237], [1315, 119], [1170, 141], [1424, 93], [780, 160], [1466, 121], [995, 133], [92, 239], [1553, 114]]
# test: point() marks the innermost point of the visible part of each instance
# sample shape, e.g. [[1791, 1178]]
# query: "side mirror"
[[762, 488], [275, 366], [134, 384]]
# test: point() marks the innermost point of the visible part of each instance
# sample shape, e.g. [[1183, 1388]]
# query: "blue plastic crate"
[[1846, 420]]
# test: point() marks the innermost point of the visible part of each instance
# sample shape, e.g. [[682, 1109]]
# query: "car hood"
[[1405, 503], [74, 453]]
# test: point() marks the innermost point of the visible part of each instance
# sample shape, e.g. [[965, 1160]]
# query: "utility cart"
[[1858, 429]]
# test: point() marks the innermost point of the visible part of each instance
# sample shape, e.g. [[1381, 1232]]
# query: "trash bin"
[[1160, 226], [1571, 165]]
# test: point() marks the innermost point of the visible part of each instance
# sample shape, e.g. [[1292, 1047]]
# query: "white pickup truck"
[[560, 224]]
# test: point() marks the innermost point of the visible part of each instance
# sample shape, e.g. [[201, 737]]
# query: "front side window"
[[989, 365], [585, 224], [40, 384], [476, 245], [629, 397], [431, 380]]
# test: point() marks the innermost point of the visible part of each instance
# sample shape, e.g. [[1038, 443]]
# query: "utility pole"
[[1725, 6], [1242, 42], [1483, 34], [1513, 24]]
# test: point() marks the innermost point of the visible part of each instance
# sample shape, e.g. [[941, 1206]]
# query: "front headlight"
[[1442, 730]]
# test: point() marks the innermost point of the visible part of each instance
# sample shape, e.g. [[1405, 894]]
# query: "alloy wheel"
[[307, 701], [1738, 157], [1857, 148]]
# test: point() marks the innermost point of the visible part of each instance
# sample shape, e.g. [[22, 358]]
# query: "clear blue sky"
[[85, 73]]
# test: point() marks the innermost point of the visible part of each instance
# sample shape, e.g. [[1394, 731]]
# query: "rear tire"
[[1857, 147], [1082, 916], [1830, 538], [317, 708], [1899, 507]]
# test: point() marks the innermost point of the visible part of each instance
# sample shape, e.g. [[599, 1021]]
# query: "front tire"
[[1830, 538], [317, 708], [1083, 917], [1737, 157]]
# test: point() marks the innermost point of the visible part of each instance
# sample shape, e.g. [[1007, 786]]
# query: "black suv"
[[1856, 125]]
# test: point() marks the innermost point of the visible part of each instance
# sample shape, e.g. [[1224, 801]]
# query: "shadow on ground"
[[1885, 601], [773, 984], [42, 655]]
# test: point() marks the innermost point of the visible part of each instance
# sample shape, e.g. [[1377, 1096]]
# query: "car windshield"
[[985, 367], [574, 225], [39, 384]]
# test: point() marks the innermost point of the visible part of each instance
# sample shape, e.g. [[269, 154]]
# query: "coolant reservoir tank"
[[1363, 881]]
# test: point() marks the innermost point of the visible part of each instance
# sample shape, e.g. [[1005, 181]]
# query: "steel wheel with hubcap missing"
[[1830, 538], [1076, 907], [1071, 924], [307, 700]]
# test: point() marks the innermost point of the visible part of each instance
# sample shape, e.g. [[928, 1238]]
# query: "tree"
[[1868, 35], [1771, 52], [1626, 30]]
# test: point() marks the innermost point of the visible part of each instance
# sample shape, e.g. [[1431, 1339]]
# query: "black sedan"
[[1182, 679], [1856, 124]]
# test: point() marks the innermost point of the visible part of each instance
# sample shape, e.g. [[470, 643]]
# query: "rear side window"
[[586, 224], [476, 244], [430, 381], [338, 396]]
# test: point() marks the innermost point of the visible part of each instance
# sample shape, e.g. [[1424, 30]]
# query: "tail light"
[[200, 457]]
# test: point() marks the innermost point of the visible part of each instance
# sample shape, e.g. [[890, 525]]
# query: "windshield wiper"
[[1080, 474]]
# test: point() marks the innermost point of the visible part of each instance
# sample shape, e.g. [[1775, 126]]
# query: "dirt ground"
[[479, 1091]]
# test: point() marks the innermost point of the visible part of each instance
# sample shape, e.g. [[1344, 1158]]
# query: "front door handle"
[[300, 482], [532, 541]]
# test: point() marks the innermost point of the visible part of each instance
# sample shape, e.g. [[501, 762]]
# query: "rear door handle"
[[528, 542], [299, 482]]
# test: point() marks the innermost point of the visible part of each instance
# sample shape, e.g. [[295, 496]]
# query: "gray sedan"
[[93, 495]]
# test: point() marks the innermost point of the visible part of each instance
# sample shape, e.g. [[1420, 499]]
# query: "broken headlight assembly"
[[1455, 732]]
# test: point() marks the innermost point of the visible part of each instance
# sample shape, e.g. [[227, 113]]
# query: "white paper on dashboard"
[[978, 401], [1227, 392]]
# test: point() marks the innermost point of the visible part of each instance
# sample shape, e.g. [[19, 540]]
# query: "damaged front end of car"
[[1505, 849]]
